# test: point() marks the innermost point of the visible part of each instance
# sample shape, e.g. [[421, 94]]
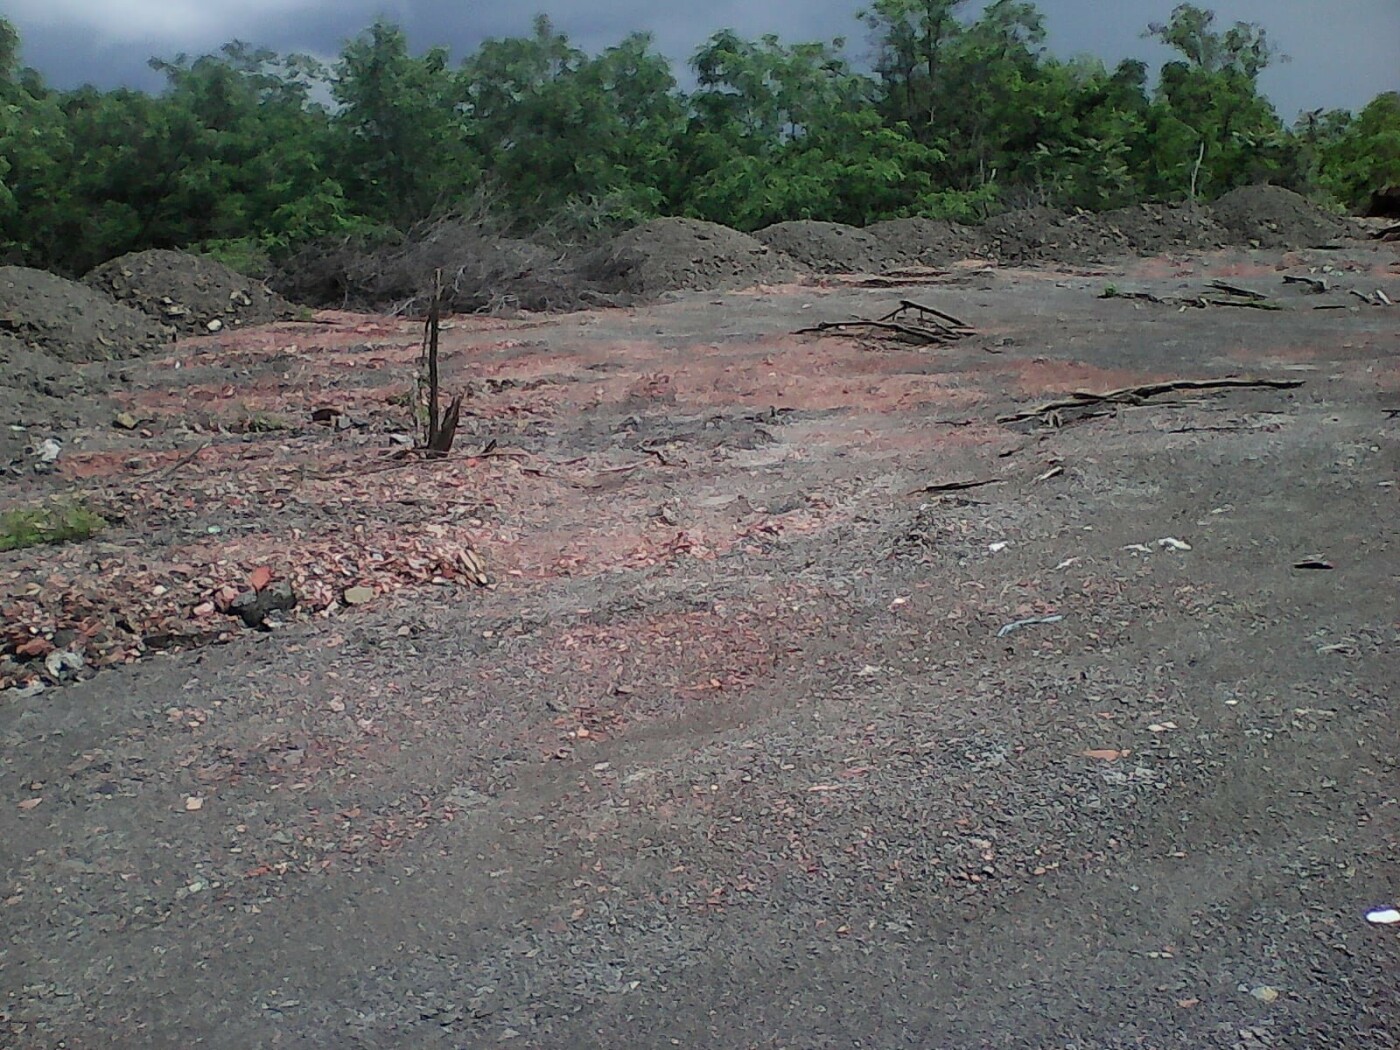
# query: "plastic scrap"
[[1036, 621]]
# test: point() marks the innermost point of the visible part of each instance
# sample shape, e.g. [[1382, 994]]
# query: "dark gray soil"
[[1044, 234], [1273, 217], [931, 242], [1154, 228], [832, 247], [667, 255], [71, 322], [191, 293], [754, 742]]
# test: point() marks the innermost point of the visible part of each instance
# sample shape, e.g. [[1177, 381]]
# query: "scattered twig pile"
[[910, 322], [1084, 405]]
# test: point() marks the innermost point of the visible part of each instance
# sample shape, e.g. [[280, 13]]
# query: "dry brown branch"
[[1137, 395]]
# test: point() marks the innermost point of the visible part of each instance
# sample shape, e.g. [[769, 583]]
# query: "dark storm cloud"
[[1342, 53]]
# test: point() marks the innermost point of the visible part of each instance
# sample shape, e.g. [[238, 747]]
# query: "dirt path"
[[734, 751]]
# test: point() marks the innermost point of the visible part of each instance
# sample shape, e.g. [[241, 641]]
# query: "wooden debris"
[[1317, 284], [1234, 289], [1251, 304], [1084, 402], [910, 322], [953, 486]]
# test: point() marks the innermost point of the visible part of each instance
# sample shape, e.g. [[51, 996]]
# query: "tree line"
[[250, 154]]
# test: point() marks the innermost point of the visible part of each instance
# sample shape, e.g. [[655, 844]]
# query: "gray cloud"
[[1342, 54]]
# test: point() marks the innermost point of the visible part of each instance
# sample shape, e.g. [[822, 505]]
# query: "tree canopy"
[[249, 153]]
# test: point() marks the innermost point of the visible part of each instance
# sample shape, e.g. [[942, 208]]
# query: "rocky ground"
[[760, 734]]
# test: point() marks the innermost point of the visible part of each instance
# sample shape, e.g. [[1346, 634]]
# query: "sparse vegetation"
[[60, 522]]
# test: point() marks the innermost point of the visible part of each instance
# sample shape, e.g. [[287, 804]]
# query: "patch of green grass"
[[56, 523], [262, 423]]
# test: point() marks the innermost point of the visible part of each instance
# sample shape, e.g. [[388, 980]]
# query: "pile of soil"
[[39, 393], [833, 247], [1273, 217], [191, 293], [70, 322], [667, 255], [1153, 228], [482, 271], [931, 242], [1048, 235]]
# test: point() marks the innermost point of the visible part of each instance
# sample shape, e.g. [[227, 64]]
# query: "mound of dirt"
[[1273, 217], [931, 242], [1153, 228], [38, 392], [189, 292], [71, 322], [668, 255], [482, 271], [1047, 235], [833, 247]]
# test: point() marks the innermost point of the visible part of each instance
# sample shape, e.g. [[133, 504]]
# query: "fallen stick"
[[1136, 395], [1234, 289], [183, 461], [954, 486], [906, 305], [1318, 285], [1145, 296], [926, 336], [1249, 304]]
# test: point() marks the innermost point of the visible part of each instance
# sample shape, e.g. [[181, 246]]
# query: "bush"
[[56, 523]]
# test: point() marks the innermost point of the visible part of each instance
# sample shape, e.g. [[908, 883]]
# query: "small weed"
[[58, 523], [262, 423], [1110, 291]]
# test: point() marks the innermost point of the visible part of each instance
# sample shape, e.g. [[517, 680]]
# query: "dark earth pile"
[[833, 247], [1153, 228], [482, 270], [667, 255], [1273, 217], [1044, 234], [71, 322], [931, 242], [191, 293], [39, 395]]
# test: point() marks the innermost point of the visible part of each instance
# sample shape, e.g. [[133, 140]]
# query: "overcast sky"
[[1343, 52]]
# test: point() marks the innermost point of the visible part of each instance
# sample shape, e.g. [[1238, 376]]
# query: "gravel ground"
[[740, 748]]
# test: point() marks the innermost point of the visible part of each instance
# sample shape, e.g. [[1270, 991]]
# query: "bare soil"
[[833, 247], [669, 255], [70, 322], [190, 293], [751, 741], [1273, 217]]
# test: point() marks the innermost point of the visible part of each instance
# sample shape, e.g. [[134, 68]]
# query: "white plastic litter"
[[1383, 917]]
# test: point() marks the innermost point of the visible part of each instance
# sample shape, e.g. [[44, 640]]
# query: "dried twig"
[[1234, 289], [1136, 395], [953, 486], [931, 328]]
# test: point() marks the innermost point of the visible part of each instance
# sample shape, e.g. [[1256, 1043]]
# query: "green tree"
[[402, 142], [556, 127], [789, 131], [1356, 157], [1213, 93]]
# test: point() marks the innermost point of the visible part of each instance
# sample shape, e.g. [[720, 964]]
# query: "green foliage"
[[964, 112], [1353, 158], [54, 523], [1218, 132]]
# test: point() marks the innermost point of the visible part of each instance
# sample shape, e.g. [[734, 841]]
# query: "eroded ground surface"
[[731, 752]]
